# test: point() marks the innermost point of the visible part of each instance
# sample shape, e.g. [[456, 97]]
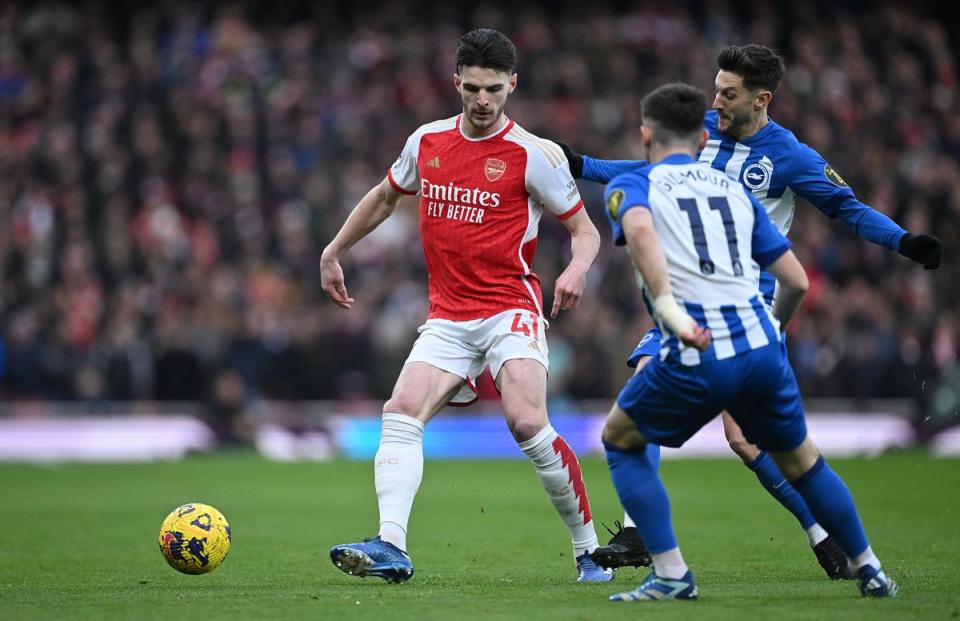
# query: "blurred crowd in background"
[[170, 173]]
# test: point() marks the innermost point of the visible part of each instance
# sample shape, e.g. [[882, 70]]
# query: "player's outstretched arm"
[[874, 226], [584, 244], [599, 171], [375, 207], [648, 256], [812, 178], [792, 286]]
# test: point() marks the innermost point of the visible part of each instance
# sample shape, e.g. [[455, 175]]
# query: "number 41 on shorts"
[[526, 328]]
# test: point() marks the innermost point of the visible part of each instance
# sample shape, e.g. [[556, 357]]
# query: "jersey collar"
[[507, 127], [761, 133]]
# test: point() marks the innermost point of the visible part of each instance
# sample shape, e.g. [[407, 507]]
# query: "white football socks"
[[559, 473], [669, 564], [397, 472], [867, 557], [816, 534]]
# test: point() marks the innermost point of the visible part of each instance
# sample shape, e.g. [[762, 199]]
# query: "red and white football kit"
[[480, 205], [481, 200]]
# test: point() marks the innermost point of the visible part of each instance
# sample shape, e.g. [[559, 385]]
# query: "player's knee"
[[746, 451], [739, 444], [524, 428], [525, 413], [401, 404], [618, 436], [794, 464], [612, 437]]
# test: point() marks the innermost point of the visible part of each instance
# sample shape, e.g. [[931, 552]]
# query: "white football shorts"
[[464, 348]]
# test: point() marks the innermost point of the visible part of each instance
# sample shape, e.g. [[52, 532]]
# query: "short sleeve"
[[623, 193], [404, 175], [768, 244], [549, 181]]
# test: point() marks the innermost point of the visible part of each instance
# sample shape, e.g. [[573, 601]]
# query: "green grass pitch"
[[79, 542]]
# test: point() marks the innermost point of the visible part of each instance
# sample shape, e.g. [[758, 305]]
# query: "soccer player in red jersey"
[[484, 183]]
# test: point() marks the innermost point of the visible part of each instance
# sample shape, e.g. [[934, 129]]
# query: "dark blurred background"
[[170, 172]]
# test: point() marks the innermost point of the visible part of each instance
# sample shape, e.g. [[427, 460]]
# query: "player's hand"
[[697, 337], [331, 279], [568, 290], [925, 249], [574, 160]]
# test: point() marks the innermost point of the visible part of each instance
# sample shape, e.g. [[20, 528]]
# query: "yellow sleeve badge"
[[833, 177], [613, 203]]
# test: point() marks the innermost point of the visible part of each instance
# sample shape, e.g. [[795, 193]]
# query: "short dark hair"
[[487, 48], [759, 66], [674, 112]]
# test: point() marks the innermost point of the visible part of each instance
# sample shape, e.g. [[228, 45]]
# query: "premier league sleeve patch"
[[613, 204], [833, 177]]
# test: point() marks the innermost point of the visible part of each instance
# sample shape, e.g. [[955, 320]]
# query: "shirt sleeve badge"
[[833, 177], [613, 203]]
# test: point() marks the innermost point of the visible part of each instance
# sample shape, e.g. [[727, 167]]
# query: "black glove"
[[574, 160], [925, 249]]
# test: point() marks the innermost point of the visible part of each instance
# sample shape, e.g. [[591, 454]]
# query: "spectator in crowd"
[[169, 175]]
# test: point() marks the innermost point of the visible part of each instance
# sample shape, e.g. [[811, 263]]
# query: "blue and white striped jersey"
[[776, 168], [716, 237]]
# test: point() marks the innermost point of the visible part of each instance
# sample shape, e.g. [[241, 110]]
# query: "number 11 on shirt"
[[717, 203]]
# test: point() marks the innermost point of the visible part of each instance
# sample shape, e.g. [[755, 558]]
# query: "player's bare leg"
[[737, 441], [523, 386], [828, 552], [420, 392]]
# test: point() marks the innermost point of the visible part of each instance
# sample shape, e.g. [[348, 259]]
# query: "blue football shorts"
[[669, 402]]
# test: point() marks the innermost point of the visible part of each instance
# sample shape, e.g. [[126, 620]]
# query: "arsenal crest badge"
[[494, 168]]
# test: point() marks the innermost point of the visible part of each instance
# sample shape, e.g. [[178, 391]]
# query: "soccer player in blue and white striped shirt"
[[749, 146], [699, 239]]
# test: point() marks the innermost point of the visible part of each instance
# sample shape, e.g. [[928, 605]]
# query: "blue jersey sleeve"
[[768, 243], [602, 171], [811, 177], [623, 193], [869, 223], [814, 179]]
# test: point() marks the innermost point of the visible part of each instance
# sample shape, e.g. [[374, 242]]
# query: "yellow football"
[[195, 538]]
